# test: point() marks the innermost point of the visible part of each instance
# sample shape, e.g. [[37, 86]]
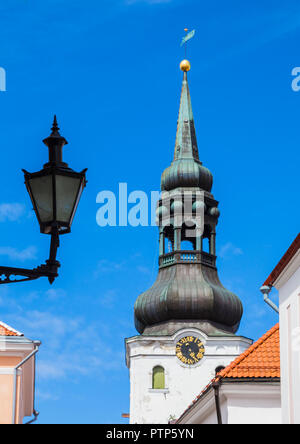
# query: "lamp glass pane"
[[66, 195], [42, 192]]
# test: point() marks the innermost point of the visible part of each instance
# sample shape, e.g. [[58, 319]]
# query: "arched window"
[[219, 369], [188, 236], [169, 239], [187, 245], [158, 378], [168, 246], [205, 245]]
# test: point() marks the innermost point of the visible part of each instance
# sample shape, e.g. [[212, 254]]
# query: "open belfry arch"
[[187, 320]]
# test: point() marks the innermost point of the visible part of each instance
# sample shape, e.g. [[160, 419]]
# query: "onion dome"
[[186, 173], [188, 292]]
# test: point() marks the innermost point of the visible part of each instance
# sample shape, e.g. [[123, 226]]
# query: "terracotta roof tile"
[[6, 330], [261, 360]]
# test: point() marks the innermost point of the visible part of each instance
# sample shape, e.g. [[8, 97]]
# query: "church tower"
[[187, 320]]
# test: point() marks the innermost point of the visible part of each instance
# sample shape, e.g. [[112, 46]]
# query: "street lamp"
[[55, 192]]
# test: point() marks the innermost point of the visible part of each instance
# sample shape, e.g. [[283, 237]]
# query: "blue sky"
[[109, 70]]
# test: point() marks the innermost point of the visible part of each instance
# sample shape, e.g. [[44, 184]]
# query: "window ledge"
[[159, 390]]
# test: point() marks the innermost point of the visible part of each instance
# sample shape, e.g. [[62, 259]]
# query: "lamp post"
[[55, 192]]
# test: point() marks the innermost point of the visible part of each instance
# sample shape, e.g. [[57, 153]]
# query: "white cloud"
[[19, 255], [80, 361], [46, 396], [230, 250], [54, 294], [36, 322], [55, 369], [105, 266], [108, 299], [108, 266], [71, 347], [11, 212]]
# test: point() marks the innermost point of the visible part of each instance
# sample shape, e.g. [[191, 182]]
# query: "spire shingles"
[[186, 141]]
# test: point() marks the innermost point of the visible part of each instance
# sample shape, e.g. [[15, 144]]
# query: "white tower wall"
[[182, 382]]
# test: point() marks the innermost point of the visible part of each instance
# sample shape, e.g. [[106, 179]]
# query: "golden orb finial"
[[185, 66]]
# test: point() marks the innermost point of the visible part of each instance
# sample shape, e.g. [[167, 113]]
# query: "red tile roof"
[[6, 330], [284, 261], [260, 360]]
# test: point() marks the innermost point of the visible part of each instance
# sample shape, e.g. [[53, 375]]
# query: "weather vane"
[[185, 64]]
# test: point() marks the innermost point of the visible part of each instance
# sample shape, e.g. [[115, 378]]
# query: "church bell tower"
[[187, 320]]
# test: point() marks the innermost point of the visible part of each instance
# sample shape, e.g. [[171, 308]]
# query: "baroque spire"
[[187, 291], [186, 169], [186, 141]]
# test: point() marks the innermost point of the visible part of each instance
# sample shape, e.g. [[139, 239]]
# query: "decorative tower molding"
[[187, 320]]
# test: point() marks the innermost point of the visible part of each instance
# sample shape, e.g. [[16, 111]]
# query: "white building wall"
[[240, 403], [183, 382], [261, 410], [288, 285]]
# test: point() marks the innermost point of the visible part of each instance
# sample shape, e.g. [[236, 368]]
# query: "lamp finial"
[[55, 127]]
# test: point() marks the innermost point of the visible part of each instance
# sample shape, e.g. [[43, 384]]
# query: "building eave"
[[16, 345], [291, 255], [208, 401]]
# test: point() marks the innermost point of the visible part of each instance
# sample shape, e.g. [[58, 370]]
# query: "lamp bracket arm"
[[11, 275]]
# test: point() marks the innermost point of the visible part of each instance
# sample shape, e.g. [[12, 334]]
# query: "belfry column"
[[161, 242], [177, 238], [212, 243], [199, 240]]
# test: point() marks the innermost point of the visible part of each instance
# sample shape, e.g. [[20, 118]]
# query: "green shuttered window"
[[158, 378]]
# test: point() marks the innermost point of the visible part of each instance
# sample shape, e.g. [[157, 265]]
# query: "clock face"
[[190, 350]]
